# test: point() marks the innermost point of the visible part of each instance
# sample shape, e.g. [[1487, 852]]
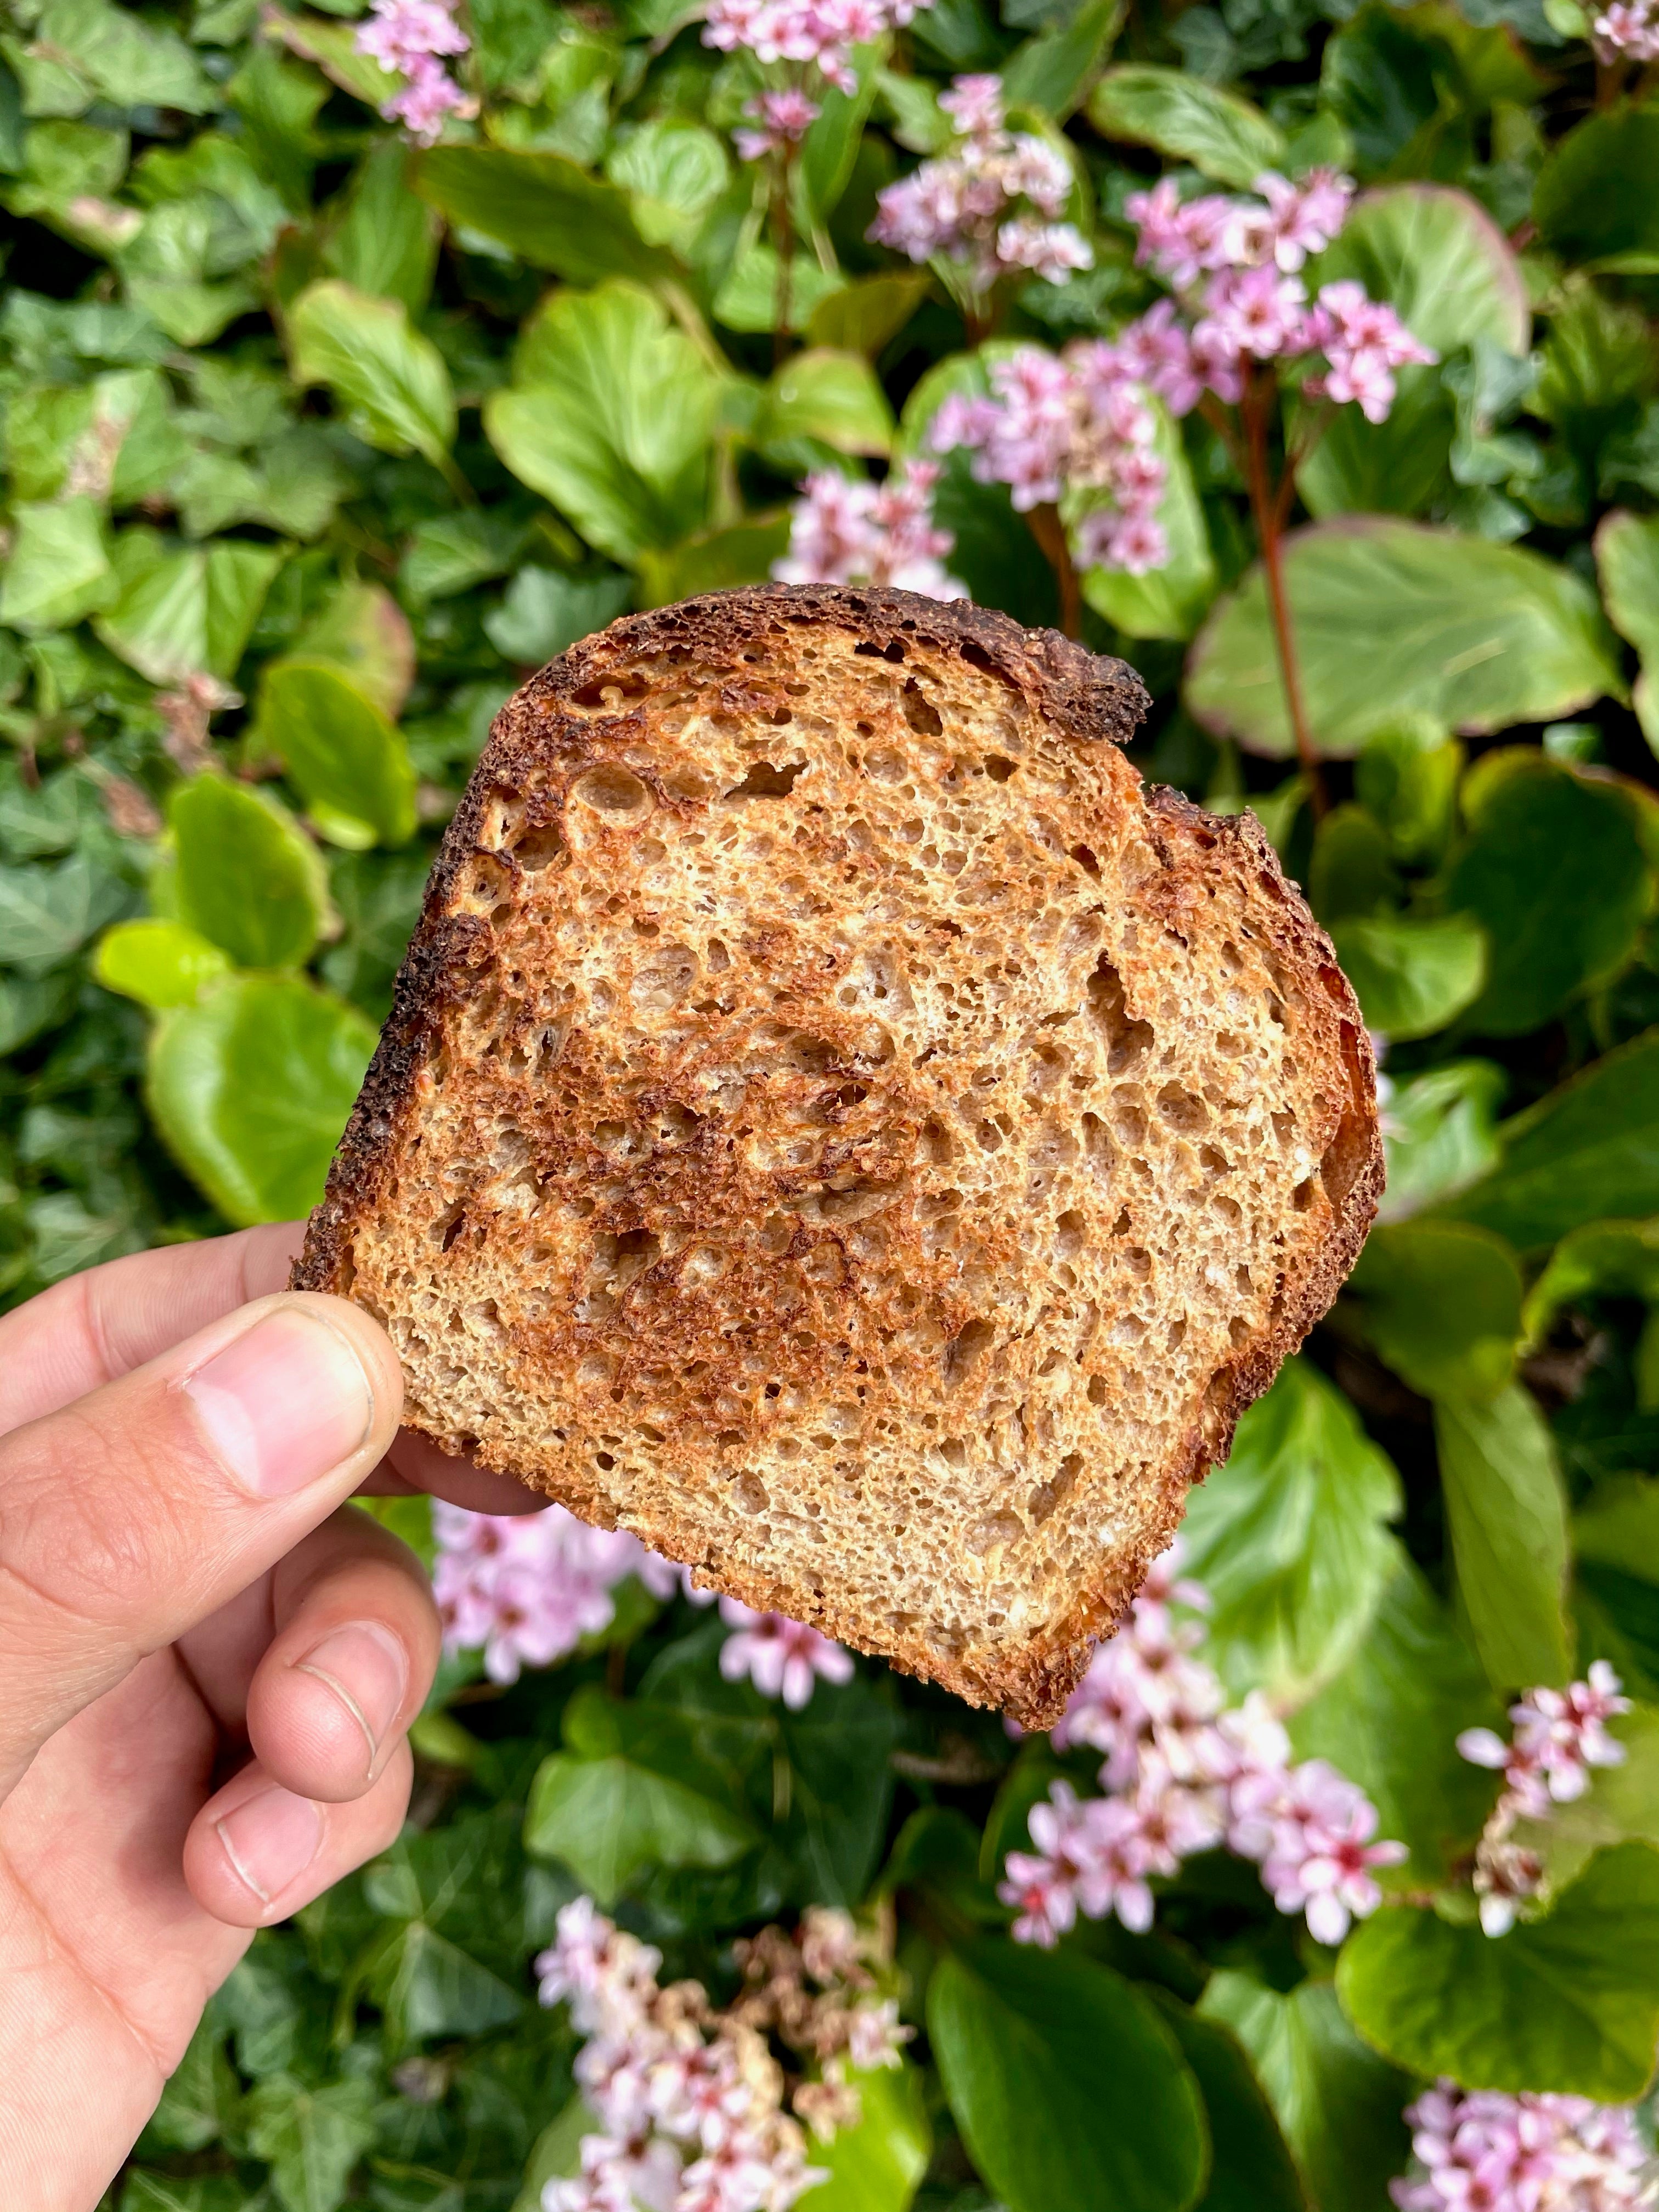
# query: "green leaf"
[[714, 560], [1390, 1720], [877, 2165], [390, 381], [1290, 1538], [1172, 600], [386, 241], [1051, 71], [365, 633], [1588, 1150], [185, 613], [1507, 1520], [1596, 200], [313, 2137], [1252, 2169], [250, 1089], [159, 963], [1555, 871], [675, 171], [557, 2155], [427, 1985], [1392, 619], [832, 144], [31, 1003], [1607, 1259], [1439, 260], [1412, 976], [1627, 561], [129, 61], [450, 553], [834, 398], [748, 299], [47, 914], [348, 761], [610, 418], [1223, 136], [547, 209], [1442, 1306], [1339, 2104], [1569, 2004], [609, 1818], [546, 612], [246, 876], [863, 316], [59, 568], [1018, 2035]]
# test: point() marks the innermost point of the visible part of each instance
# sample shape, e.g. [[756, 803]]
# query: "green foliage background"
[[313, 446]]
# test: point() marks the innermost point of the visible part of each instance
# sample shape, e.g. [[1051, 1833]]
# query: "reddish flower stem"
[[1050, 533], [1269, 505]]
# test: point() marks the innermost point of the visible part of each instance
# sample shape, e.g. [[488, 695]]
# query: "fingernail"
[[367, 1669], [283, 1403], [271, 1839]]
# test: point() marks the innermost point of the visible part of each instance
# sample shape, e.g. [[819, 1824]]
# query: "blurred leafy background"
[[316, 442]]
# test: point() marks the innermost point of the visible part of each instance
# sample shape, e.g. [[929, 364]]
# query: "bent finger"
[[353, 1657], [415, 1465], [257, 1852], [146, 1505]]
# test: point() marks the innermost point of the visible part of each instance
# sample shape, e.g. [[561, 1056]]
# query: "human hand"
[[208, 1663]]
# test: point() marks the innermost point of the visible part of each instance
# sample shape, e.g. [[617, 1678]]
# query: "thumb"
[[144, 1506]]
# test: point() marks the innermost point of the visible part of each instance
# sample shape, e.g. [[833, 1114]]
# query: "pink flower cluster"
[[784, 117], [1559, 1734], [1528, 2154], [528, 1587], [991, 204], [1182, 1774], [844, 530], [413, 37], [1626, 31], [690, 2101], [806, 32], [782, 1657], [1069, 423], [1232, 264]]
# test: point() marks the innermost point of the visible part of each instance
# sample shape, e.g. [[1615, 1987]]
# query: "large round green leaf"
[[877, 2165], [610, 417], [1290, 1538], [1438, 259], [1391, 618], [1413, 975], [1568, 2003], [350, 763], [1068, 2087], [1597, 196], [1588, 1151], [546, 209], [1507, 1519], [250, 1089], [390, 380], [1182, 116], [185, 613], [1443, 1305], [1554, 871], [246, 876]]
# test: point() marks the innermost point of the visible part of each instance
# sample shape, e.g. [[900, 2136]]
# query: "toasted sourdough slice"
[[838, 1124]]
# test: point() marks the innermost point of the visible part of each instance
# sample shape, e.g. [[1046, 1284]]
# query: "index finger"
[[91, 1328]]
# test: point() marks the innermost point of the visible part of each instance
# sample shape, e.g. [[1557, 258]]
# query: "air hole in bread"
[[919, 711], [997, 769], [1127, 1039], [767, 781], [967, 1348], [612, 692], [614, 791]]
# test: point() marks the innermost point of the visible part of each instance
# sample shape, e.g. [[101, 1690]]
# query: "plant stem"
[[1269, 505], [786, 236], [1050, 533]]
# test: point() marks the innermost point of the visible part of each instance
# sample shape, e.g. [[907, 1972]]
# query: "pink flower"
[[1257, 312], [782, 1657], [528, 1588], [1625, 32], [974, 104], [822, 33], [407, 36], [1302, 219], [844, 530], [1486, 2151], [785, 118]]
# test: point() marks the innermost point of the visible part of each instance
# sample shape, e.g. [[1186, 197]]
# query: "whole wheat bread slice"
[[838, 1123]]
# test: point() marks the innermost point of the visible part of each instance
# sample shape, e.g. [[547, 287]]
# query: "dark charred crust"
[[561, 723]]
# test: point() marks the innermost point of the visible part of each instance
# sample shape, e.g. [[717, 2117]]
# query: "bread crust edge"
[[1091, 699]]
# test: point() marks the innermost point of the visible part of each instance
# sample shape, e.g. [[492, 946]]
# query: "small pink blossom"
[[1626, 31], [782, 1657], [844, 530], [1486, 2151], [408, 37], [784, 117], [815, 33]]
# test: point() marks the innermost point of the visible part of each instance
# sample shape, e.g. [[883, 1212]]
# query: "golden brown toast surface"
[[837, 1123]]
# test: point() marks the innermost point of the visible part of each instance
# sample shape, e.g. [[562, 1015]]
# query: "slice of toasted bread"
[[837, 1123]]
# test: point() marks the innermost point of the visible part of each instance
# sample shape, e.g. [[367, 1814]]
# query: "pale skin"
[[208, 1663]]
